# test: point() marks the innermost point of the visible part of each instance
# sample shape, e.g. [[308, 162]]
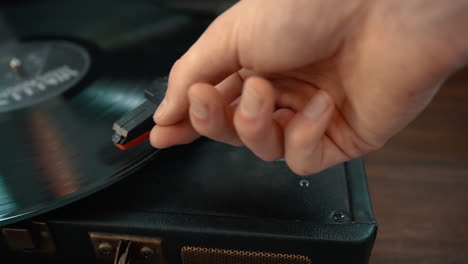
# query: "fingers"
[[254, 120], [178, 134], [301, 138], [210, 60], [210, 115], [305, 136], [182, 133], [283, 116], [231, 87]]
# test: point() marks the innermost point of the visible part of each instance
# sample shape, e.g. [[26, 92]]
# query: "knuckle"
[[250, 135], [205, 130], [235, 143], [214, 133], [176, 66], [269, 157], [249, 131], [296, 139], [302, 168], [374, 146], [365, 147]]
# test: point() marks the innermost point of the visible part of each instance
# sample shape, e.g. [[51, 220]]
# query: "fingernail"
[[198, 108], [251, 102], [317, 105], [160, 111]]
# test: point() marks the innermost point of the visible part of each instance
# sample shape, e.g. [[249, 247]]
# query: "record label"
[[32, 72], [61, 94]]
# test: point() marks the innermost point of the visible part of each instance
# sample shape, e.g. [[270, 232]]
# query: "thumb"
[[211, 59]]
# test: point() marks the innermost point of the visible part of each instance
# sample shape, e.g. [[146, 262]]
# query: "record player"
[[69, 70]]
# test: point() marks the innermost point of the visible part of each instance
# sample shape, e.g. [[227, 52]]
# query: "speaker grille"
[[198, 255]]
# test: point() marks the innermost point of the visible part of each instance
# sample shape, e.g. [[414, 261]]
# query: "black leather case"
[[212, 195]]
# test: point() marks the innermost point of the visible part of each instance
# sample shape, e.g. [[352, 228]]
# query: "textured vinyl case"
[[207, 202]]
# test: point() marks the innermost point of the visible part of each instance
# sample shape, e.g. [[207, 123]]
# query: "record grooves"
[[77, 77], [58, 146]]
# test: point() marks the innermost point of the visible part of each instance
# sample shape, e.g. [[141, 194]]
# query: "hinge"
[[30, 237], [127, 248]]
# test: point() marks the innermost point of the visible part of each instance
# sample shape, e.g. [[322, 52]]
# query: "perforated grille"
[[198, 255]]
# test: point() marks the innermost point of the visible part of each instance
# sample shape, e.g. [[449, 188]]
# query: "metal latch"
[[29, 237], [126, 249]]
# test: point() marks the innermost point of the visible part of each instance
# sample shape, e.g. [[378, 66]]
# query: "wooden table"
[[419, 184]]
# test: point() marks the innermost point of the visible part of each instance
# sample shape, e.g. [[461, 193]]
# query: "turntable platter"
[[61, 90], [56, 145]]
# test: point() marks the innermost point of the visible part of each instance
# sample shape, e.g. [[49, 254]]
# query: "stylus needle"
[[134, 127]]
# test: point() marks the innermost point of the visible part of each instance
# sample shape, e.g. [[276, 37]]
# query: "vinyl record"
[[64, 80]]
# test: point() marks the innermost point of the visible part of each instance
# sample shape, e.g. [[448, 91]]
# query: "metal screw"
[[146, 252], [105, 248], [339, 217], [15, 65]]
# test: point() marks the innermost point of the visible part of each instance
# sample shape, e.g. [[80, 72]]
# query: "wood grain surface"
[[419, 184]]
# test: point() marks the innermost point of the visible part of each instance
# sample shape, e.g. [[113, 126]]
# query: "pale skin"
[[316, 82]]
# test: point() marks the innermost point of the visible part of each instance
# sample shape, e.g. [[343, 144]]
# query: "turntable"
[[68, 71]]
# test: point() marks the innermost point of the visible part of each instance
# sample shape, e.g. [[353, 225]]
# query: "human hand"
[[316, 82]]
